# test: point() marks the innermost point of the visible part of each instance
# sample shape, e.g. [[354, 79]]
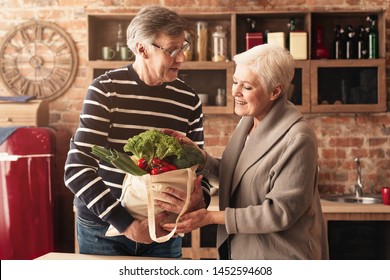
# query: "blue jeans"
[[92, 240]]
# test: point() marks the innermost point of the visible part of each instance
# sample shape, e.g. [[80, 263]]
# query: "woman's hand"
[[175, 200], [190, 221]]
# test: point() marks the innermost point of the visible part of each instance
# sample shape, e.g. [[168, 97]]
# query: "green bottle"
[[291, 28], [372, 38]]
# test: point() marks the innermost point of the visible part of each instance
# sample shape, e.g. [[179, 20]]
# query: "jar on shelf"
[[201, 41], [120, 41], [190, 52], [219, 44], [220, 99]]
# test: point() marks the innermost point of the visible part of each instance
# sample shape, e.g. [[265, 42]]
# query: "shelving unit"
[[348, 85], [203, 76], [312, 93]]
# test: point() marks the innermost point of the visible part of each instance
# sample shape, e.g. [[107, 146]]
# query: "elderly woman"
[[268, 196]]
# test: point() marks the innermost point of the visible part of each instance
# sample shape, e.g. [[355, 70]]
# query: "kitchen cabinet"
[[299, 93], [336, 85], [357, 231], [320, 85], [204, 76], [347, 85]]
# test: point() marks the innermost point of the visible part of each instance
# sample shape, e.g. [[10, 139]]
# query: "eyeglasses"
[[175, 52]]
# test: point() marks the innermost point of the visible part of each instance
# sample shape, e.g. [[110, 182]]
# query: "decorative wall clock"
[[38, 59]]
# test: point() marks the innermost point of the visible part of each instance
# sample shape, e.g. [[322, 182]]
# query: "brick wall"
[[341, 137]]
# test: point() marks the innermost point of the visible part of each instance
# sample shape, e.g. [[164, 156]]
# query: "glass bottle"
[[190, 52], [252, 38], [338, 43], [320, 50], [201, 41], [220, 99], [120, 41], [219, 44], [362, 43], [350, 44], [291, 28], [372, 38]]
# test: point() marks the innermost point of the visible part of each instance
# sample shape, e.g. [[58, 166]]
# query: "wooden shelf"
[[306, 95], [352, 73]]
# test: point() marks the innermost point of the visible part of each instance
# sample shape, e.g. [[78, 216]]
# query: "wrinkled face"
[[161, 66], [250, 99]]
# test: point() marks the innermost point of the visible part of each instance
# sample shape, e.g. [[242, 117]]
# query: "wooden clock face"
[[38, 59]]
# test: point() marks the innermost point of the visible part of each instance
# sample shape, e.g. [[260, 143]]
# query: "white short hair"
[[273, 64]]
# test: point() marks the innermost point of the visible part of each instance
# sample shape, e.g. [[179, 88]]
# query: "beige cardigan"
[[268, 189]]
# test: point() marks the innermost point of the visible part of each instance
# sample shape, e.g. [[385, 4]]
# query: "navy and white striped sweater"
[[118, 105]]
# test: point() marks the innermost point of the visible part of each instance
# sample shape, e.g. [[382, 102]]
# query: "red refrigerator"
[[26, 206]]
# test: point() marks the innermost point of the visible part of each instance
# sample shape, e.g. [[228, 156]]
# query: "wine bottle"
[[372, 38], [320, 51], [338, 43], [362, 43], [350, 44], [291, 28]]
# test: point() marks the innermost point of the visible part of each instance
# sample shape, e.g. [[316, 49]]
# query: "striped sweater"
[[118, 105]]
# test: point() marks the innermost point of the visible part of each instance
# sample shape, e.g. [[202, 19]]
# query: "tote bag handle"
[[151, 217]]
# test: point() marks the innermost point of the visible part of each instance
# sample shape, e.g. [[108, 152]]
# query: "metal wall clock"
[[38, 59]]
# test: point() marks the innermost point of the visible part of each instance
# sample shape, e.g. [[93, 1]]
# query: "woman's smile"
[[240, 103]]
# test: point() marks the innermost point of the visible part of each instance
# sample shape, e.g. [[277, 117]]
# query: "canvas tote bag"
[[139, 193]]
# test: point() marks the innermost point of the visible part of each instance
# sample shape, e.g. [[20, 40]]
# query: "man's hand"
[[175, 199], [138, 231]]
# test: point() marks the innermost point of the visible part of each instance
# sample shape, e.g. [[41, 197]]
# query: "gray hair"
[[273, 64], [150, 21]]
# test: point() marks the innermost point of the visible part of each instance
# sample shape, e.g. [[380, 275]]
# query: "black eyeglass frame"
[[173, 53]]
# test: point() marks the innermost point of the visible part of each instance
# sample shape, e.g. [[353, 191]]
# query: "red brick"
[[136, 3], [328, 153], [377, 153], [346, 142], [384, 165], [341, 154], [377, 141], [340, 177], [360, 153], [329, 164]]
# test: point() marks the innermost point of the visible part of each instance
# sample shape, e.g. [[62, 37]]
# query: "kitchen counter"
[[329, 208], [337, 207], [336, 211], [332, 211]]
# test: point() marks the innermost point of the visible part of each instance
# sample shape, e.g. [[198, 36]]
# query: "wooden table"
[[71, 256]]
